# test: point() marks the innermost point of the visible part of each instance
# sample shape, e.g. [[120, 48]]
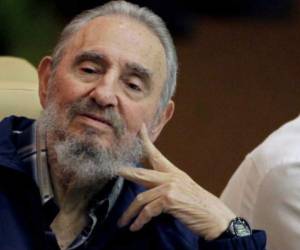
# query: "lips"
[[98, 119]]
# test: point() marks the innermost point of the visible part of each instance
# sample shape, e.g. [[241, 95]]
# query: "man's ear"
[[165, 116], [44, 73]]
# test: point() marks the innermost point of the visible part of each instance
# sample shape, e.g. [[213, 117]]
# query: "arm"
[[173, 191]]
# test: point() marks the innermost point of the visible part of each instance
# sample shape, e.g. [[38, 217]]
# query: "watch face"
[[241, 228]]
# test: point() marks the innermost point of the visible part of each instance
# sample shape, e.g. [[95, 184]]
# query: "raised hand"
[[172, 191]]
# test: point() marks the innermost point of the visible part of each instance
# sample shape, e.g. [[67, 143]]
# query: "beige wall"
[[239, 80]]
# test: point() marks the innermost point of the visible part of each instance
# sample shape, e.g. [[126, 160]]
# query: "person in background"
[[265, 189]]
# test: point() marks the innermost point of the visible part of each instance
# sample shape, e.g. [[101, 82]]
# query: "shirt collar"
[[43, 176]]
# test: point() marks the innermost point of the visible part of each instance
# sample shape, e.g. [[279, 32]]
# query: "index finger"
[[146, 177], [155, 158]]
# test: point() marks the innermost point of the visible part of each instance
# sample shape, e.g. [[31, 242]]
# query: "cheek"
[[133, 119], [134, 116], [66, 91]]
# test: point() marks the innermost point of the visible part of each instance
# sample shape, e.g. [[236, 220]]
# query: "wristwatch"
[[238, 227]]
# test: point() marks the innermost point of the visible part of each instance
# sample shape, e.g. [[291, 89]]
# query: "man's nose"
[[105, 90]]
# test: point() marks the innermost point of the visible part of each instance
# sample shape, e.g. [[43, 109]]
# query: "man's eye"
[[134, 86], [88, 70]]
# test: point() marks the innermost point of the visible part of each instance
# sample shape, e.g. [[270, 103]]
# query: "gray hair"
[[141, 14]]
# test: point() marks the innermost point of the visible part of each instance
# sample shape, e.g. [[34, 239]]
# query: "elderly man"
[[74, 179]]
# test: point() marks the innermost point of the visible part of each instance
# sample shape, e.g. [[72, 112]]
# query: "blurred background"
[[238, 80]]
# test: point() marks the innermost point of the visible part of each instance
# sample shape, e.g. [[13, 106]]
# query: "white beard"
[[79, 156]]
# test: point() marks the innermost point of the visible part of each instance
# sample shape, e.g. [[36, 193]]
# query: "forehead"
[[122, 39]]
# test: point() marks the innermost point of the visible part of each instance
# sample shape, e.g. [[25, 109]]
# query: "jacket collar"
[[11, 128]]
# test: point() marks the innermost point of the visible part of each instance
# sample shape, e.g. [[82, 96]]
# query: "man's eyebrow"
[[131, 67], [138, 70], [89, 56]]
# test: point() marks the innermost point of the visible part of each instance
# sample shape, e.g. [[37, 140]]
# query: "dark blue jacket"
[[22, 220]]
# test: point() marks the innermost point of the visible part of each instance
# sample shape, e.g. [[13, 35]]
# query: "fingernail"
[[144, 128], [134, 227], [121, 223]]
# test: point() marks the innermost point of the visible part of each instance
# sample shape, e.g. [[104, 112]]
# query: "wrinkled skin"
[[173, 191]]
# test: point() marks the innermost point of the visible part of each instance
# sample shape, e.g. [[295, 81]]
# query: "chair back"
[[18, 88]]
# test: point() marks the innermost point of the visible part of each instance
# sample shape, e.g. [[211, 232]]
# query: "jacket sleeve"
[[257, 241]]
